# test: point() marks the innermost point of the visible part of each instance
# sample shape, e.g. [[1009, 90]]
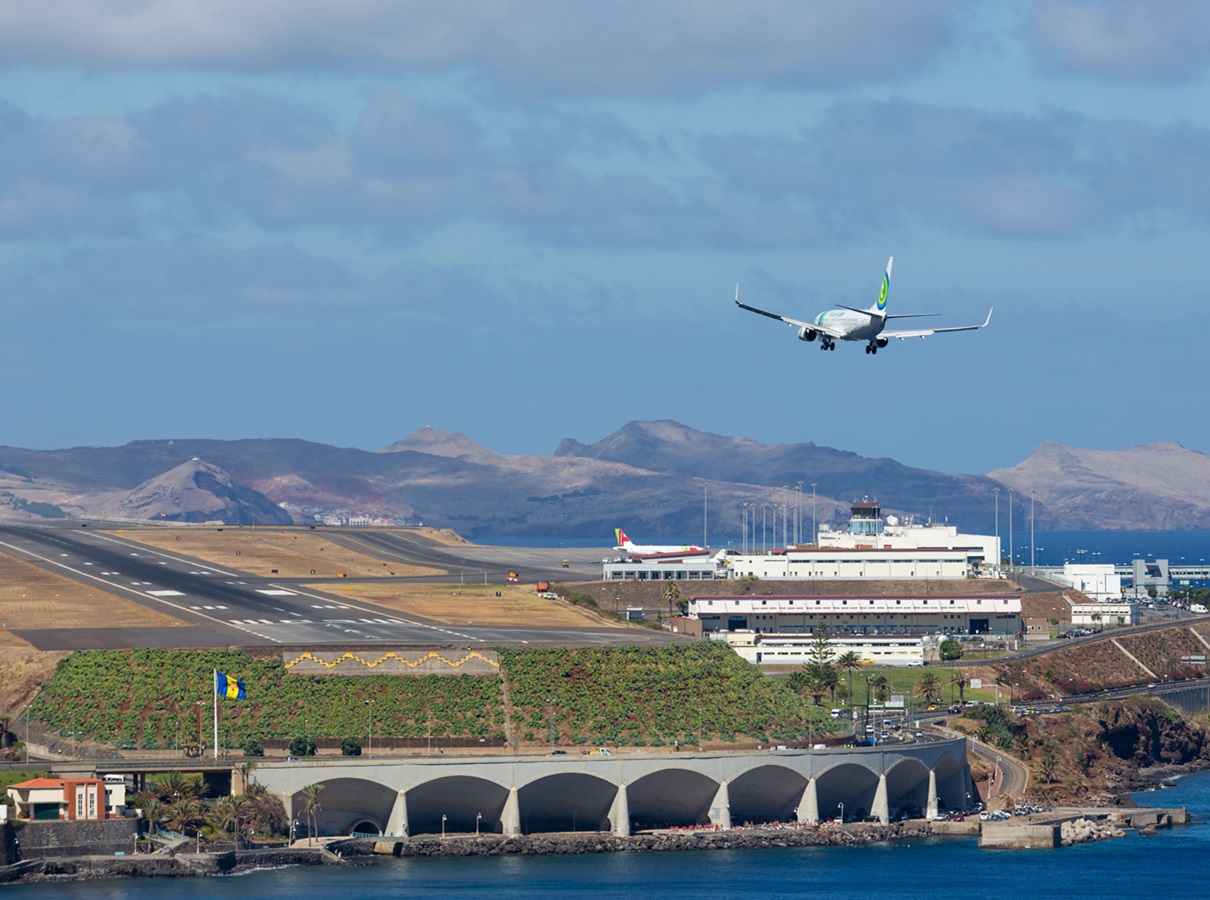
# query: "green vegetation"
[[951, 650], [651, 697], [161, 699]]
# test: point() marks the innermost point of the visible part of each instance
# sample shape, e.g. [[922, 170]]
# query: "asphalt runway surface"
[[225, 608]]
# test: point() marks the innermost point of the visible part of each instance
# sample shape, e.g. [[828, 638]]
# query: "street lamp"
[[841, 805], [1011, 560], [798, 516], [1032, 567], [996, 492], [551, 710], [478, 816], [443, 825], [370, 720], [814, 527]]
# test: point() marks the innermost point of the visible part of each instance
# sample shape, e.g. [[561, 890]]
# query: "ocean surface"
[[1171, 864]]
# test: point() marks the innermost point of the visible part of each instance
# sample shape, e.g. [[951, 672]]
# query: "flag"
[[229, 687]]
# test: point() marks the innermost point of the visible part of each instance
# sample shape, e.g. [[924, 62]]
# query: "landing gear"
[[871, 348], [827, 344]]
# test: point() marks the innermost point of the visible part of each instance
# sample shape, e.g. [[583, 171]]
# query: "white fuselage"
[[851, 326]]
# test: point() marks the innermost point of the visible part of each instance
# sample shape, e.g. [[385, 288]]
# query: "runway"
[[225, 608]]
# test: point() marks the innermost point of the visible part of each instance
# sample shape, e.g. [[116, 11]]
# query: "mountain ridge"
[[653, 478]]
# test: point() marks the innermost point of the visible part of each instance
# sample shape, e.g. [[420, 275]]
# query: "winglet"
[[989, 317], [737, 293], [886, 285]]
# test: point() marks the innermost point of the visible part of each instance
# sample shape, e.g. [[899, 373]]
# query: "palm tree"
[[228, 813], [245, 771], [928, 686], [671, 592], [311, 804], [184, 814], [959, 679], [850, 662], [1048, 766], [882, 687]]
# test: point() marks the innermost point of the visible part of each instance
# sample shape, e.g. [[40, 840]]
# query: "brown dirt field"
[[34, 598], [479, 604], [263, 550], [22, 673]]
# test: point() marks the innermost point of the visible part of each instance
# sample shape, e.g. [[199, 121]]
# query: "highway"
[[227, 608]]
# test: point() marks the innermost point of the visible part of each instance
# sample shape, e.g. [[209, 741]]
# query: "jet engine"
[[882, 342], [806, 334]]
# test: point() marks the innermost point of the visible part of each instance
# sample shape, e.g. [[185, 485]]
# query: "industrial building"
[[806, 564], [987, 614]]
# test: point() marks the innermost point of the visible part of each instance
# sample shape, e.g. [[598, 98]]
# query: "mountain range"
[[656, 479]]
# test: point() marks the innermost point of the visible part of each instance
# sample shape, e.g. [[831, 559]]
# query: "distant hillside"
[[652, 478], [1153, 486]]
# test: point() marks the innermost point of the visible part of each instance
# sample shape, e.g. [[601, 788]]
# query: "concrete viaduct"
[[528, 794]]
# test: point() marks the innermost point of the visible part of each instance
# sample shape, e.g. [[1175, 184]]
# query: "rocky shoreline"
[[366, 851], [653, 842]]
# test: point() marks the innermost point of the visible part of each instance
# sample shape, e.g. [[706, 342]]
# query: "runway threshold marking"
[[129, 590]]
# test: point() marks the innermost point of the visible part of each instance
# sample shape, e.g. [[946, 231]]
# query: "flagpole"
[[215, 692]]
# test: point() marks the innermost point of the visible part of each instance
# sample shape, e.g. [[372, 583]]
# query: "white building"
[[867, 528], [1105, 613], [1098, 581], [791, 650], [808, 564]]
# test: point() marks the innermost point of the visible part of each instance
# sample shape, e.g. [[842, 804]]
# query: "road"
[[1010, 779], [227, 608]]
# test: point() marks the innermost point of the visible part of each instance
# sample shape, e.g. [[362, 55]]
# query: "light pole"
[[996, 493], [1011, 561], [705, 513], [814, 527], [478, 816], [798, 515], [443, 825], [841, 805], [1032, 567], [550, 709], [370, 729]]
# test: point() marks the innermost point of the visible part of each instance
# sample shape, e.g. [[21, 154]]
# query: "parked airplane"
[[624, 543], [851, 324]]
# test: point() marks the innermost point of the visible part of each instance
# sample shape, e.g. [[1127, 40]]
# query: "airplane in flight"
[[624, 543], [851, 324]]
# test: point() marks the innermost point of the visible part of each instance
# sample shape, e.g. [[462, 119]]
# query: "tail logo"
[[886, 285]]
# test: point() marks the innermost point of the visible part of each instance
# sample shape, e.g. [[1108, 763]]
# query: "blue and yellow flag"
[[229, 687]]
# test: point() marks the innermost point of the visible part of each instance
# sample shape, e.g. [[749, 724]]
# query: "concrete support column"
[[808, 805], [397, 823], [881, 809], [931, 809], [720, 809], [510, 819], [619, 813]]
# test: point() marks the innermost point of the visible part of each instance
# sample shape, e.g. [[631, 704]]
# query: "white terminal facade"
[[883, 630]]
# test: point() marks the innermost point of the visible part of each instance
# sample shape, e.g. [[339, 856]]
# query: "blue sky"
[[524, 221]]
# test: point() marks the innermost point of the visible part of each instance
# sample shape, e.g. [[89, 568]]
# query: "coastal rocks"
[[651, 842], [1082, 831]]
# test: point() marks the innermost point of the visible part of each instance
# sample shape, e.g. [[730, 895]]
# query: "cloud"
[[1122, 39], [888, 165], [544, 47]]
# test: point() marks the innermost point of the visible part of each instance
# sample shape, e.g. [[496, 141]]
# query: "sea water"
[[1171, 863]]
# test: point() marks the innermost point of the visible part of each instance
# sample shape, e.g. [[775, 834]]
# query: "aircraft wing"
[[925, 332], [793, 323]]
